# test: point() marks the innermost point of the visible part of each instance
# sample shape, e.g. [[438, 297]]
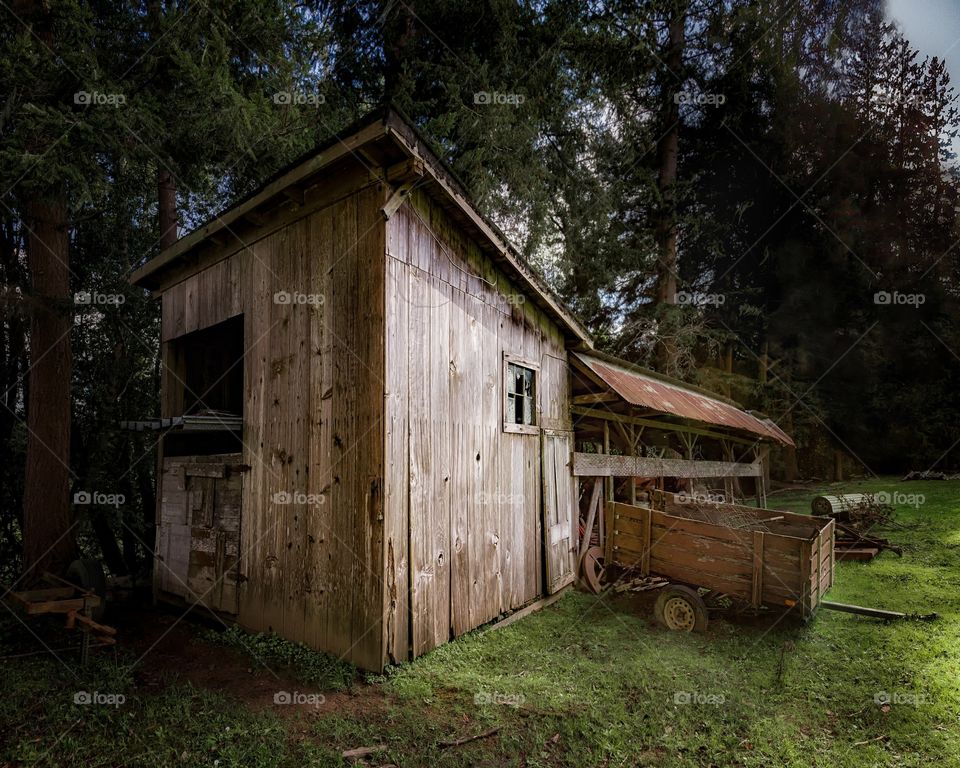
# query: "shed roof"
[[646, 389], [383, 138]]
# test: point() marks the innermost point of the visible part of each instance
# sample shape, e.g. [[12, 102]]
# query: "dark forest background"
[[756, 195]]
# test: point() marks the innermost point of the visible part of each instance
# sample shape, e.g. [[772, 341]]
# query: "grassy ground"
[[587, 682]]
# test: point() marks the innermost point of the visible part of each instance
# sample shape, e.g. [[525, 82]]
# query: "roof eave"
[[338, 147], [412, 143]]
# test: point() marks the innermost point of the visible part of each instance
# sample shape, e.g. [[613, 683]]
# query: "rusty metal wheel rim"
[[679, 615]]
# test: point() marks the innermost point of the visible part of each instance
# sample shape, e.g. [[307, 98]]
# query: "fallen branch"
[[758, 520], [869, 741], [361, 752], [468, 739]]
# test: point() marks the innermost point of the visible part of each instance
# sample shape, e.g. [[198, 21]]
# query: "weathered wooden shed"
[[366, 408]]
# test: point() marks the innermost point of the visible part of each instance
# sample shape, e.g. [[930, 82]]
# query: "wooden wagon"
[[753, 557]]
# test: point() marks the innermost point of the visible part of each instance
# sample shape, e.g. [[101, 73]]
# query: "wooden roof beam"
[[666, 426], [596, 397]]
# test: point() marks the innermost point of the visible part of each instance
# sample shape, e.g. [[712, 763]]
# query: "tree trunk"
[[399, 33], [48, 538], [665, 231], [837, 465], [166, 181], [13, 367], [167, 207], [791, 467]]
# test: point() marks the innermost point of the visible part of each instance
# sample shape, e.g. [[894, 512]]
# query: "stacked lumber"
[[852, 543], [640, 584]]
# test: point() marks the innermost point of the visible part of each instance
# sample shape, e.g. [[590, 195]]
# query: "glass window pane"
[[520, 388]]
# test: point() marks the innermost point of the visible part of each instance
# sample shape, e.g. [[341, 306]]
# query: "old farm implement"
[[80, 603], [750, 558]]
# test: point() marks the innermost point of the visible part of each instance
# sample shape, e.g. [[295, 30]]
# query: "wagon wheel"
[[681, 609], [591, 569], [88, 574]]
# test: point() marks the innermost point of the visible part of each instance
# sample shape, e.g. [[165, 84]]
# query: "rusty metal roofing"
[[648, 390]]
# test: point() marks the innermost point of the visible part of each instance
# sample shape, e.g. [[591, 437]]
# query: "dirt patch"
[[169, 650]]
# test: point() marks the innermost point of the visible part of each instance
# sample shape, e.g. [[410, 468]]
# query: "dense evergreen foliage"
[[756, 194]]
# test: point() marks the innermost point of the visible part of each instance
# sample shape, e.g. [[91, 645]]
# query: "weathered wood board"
[[559, 517], [606, 465]]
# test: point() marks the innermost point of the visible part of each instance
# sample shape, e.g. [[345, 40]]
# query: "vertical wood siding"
[[471, 492], [313, 421]]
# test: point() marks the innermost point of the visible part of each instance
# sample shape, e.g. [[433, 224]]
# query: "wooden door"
[[199, 532], [559, 502]]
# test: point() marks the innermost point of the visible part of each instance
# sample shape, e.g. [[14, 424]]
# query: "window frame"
[[509, 426]]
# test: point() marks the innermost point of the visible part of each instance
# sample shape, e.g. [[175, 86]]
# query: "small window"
[[520, 396]]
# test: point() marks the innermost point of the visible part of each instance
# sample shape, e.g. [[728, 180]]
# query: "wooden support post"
[[601, 524], [633, 452], [610, 515], [728, 481], [761, 490], [763, 457], [591, 516], [606, 449]]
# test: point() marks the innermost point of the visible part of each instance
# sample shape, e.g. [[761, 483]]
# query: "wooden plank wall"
[[313, 421], [471, 492]]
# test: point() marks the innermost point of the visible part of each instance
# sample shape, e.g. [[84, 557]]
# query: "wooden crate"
[[738, 551]]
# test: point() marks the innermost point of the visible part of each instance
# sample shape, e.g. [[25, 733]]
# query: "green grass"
[[586, 682], [316, 669]]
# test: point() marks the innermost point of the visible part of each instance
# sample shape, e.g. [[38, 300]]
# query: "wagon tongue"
[[877, 613]]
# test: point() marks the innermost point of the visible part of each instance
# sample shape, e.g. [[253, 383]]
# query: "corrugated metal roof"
[[649, 391]]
